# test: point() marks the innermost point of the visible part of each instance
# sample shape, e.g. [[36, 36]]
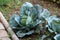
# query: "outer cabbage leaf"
[[55, 25], [50, 19], [21, 34], [13, 22], [38, 9], [57, 37], [24, 8], [45, 14]]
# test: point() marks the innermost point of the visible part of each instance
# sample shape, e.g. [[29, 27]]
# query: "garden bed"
[[52, 8]]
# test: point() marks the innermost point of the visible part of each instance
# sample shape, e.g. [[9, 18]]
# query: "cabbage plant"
[[33, 19], [25, 23]]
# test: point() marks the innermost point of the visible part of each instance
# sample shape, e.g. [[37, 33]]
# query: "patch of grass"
[[4, 2], [6, 10], [11, 6]]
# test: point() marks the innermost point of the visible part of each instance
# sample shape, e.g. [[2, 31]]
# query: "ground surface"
[[8, 11]]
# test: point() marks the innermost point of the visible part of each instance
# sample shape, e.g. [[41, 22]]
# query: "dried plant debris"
[[35, 19]]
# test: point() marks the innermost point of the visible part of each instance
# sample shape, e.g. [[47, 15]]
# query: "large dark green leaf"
[[22, 34]]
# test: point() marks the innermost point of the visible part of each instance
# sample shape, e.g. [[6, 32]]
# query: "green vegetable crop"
[[30, 20]]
